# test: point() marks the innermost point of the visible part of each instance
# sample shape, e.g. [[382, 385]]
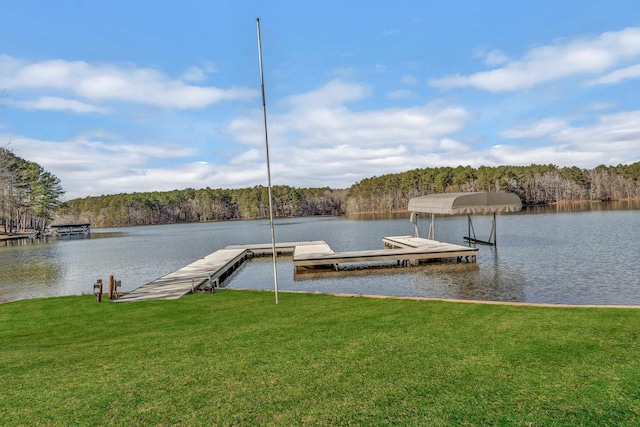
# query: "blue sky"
[[126, 96]]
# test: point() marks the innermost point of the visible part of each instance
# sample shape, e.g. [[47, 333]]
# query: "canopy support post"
[[494, 230], [492, 234], [470, 230], [414, 220]]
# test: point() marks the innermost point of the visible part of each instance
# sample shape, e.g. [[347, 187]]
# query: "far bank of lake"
[[568, 253]]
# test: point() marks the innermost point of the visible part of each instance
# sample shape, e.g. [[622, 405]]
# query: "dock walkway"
[[210, 270]]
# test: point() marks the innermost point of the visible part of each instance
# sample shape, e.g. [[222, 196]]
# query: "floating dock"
[[307, 256], [404, 249]]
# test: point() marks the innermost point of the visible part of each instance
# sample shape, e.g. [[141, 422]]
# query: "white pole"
[[266, 141]]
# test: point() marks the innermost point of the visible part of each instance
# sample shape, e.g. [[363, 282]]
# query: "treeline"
[[206, 204], [29, 195], [535, 184]]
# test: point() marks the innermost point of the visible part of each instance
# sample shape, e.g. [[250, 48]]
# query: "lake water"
[[574, 254]]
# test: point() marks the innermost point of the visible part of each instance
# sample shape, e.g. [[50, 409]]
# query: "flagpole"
[[266, 141]]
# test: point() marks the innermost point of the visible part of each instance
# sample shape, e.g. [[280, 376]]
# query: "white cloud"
[[193, 75], [317, 140], [336, 92], [320, 118], [390, 32], [401, 94], [413, 126], [561, 59], [408, 79], [535, 130], [558, 155], [92, 165], [611, 132], [380, 68], [617, 76], [448, 144], [109, 82], [600, 105], [53, 103], [612, 139], [339, 166], [493, 57], [251, 156], [496, 57], [246, 130], [108, 142]]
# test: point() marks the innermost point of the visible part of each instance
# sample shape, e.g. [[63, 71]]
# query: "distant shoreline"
[[14, 236]]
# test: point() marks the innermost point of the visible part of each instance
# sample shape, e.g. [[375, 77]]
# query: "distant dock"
[[76, 229], [213, 269]]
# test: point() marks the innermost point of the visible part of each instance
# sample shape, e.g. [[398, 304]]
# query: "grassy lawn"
[[235, 358]]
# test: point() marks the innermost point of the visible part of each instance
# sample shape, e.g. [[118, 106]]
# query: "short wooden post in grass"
[[112, 283], [97, 290]]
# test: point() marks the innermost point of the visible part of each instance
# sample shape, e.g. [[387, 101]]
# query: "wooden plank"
[[415, 242], [310, 250], [281, 247]]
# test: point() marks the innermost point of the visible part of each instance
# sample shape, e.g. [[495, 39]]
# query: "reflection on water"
[[489, 283], [569, 207], [376, 269], [448, 279], [27, 241], [579, 256]]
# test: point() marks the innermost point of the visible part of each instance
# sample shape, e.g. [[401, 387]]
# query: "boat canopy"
[[466, 203]]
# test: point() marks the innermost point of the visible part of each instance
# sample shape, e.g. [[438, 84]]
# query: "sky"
[[133, 96]]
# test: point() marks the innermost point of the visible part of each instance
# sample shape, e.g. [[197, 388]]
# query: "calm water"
[[575, 255]]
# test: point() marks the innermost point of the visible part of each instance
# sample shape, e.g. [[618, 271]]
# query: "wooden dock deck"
[[434, 245], [405, 249], [258, 249]]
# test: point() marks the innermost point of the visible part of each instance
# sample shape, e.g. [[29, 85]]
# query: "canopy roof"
[[466, 203]]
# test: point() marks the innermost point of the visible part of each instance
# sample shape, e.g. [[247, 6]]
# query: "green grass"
[[235, 358]]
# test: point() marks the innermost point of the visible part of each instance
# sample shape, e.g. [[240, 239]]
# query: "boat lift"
[[464, 203]]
